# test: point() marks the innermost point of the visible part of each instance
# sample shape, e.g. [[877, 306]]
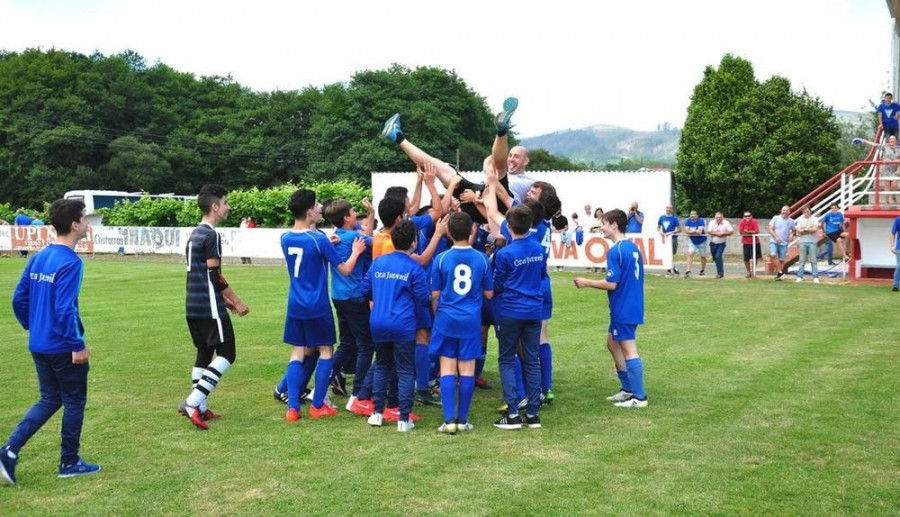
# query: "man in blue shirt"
[[635, 219], [887, 115], [309, 323], [22, 219], [668, 226], [460, 280], [695, 227], [398, 288], [624, 285], [45, 303]]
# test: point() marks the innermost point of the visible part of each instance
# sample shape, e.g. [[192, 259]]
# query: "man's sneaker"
[[207, 414], [79, 468], [687, 274], [322, 412], [632, 403], [375, 420], [425, 398], [778, 276], [503, 119], [510, 423], [280, 396], [675, 270], [362, 407], [392, 128], [392, 414], [464, 427], [621, 396], [481, 383], [195, 417], [550, 396], [405, 426], [798, 280], [292, 415], [7, 467], [702, 272], [447, 427], [816, 280], [534, 422], [339, 384]]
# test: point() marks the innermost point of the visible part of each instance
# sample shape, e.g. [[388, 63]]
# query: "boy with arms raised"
[[460, 279], [208, 299], [398, 287], [624, 284], [309, 324]]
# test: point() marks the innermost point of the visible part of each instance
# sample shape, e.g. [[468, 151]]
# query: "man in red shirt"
[[749, 228]]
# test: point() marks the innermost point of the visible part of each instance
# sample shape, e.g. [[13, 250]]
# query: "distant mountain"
[[601, 144]]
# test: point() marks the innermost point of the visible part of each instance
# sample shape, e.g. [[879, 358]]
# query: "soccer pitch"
[[765, 399]]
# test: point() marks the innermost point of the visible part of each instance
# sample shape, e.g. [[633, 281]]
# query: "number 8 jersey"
[[460, 274]]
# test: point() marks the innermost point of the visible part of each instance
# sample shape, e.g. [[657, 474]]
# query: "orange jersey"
[[381, 244]]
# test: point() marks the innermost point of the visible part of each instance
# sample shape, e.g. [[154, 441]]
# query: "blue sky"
[[572, 64]]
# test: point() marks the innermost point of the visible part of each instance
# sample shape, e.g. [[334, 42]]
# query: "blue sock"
[[546, 367], [520, 381], [448, 397], [623, 379], [423, 369], [323, 380], [466, 391], [292, 376], [283, 385], [636, 377]]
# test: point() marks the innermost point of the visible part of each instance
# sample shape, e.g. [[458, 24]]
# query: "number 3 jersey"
[[307, 254], [625, 267], [460, 274]]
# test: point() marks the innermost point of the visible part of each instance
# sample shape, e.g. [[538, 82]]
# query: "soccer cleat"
[[550, 396], [392, 128], [307, 394], [521, 405], [322, 412], [447, 427], [405, 426], [632, 403], [280, 396], [362, 407], [510, 423], [207, 414], [182, 408], [533, 422], [392, 414], [350, 402], [621, 396], [292, 415], [425, 398], [193, 414], [481, 383], [375, 420], [7, 467], [464, 427], [79, 468], [339, 384], [503, 119]]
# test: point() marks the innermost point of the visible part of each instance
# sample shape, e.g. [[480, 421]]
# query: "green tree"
[[752, 145]]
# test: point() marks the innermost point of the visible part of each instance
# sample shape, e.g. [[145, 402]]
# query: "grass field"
[[765, 399]]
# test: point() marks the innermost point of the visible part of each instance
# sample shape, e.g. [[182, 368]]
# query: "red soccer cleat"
[[209, 415], [195, 417], [392, 414], [322, 412], [292, 415], [362, 407]]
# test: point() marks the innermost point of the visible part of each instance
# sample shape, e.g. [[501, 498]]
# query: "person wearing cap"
[[695, 227]]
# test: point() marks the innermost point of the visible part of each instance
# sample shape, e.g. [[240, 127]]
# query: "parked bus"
[[94, 200]]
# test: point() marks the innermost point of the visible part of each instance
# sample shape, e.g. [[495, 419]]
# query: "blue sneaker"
[[79, 468], [503, 119], [7, 467], [392, 128]]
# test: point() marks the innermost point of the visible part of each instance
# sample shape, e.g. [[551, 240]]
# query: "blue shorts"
[[311, 332], [622, 331], [547, 308], [464, 349], [779, 250], [424, 317]]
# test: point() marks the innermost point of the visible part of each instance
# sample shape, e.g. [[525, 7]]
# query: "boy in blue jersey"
[[309, 323], [46, 304], [351, 307], [460, 279], [624, 284], [519, 269], [398, 288], [208, 298], [834, 227]]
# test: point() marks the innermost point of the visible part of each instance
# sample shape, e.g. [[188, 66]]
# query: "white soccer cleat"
[[632, 403], [621, 396]]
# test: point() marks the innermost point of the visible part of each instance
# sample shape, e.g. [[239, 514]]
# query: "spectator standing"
[[780, 228], [888, 180], [719, 230], [668, 226], [807, 230], [887, 116], [834, 226], [749, 228], [695, 227], [22, 219], [635, 219]]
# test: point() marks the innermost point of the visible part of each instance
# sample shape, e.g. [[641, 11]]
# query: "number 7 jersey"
[[307, 254]]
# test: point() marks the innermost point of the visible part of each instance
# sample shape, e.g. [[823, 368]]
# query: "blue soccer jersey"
[[347, 287], [519, 268], [397, 285], [460, 275], [834, 222], [306, 253], [625, 267], [540, 233], [668, 223]]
